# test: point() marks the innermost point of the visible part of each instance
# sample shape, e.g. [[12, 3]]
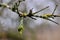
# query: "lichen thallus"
[[48, 16], [30, 14], [45, 16], [14, 8]]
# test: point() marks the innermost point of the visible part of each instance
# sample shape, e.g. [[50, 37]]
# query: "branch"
[[43, 17]]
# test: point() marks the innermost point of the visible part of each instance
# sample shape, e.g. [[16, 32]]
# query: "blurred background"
[[39, 29]]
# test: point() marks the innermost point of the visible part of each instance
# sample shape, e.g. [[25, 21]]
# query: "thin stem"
[[41, 10], [54, 10], [33, 18]]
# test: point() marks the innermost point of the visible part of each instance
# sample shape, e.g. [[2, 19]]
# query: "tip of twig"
[[56, 5], [47, 6]]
